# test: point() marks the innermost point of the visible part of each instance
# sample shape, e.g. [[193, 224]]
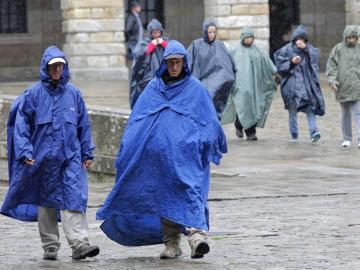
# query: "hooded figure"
[[210, 62], [134, 30], [149, 56], [49, 143], [163, 165], [249, 103], [342, 72], [298, 64]]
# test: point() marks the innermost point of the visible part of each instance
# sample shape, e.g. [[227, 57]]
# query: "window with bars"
[[13, 16], [150, 9]]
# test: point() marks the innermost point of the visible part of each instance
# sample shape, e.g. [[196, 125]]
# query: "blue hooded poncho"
[[50, 124], [163, 165], [300, 83]]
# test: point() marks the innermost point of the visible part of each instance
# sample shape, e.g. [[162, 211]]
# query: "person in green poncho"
[[343, 75], [249, 102]]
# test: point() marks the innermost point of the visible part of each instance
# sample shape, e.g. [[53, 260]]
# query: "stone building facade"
[[91, 32]]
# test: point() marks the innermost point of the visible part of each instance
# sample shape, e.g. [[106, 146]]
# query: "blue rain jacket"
[[163, 165], [300, 83], [52, 126]]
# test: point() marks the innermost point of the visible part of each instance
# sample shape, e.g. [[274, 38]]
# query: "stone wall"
[[21, 53], [352, 11], [107, 125], [325, 21], [232, 15], [94, 43]]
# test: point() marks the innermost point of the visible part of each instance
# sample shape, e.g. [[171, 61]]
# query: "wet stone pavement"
[[274, 205]]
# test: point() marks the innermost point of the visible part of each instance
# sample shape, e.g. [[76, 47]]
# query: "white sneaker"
[[347, 143]]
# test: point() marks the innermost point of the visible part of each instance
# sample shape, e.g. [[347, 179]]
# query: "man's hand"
[[87, 164], [296, 60], [29, 162], [334, 87]]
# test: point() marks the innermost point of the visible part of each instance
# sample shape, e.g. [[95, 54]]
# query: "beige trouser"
[[172, 230], [74, 224]]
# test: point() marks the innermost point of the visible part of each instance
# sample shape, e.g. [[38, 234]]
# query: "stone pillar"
[[352, 11], [232, 15], [94, 39]]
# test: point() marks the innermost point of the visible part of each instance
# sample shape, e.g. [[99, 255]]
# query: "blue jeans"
[[293, 123]]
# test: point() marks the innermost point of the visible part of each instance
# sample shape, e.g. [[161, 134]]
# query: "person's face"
[[174, 66], [156, 34], [211, 32], [136, 9], [351, 41], [300, 43], [248, 41], [55, 71]]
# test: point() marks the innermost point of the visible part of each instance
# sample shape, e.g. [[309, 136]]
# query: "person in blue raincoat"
[[298, 64], [211, 63], [163, 165], [148, 57], [49, 150]]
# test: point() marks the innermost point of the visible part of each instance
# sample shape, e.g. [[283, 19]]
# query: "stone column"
[[232, 15], [94, 39]]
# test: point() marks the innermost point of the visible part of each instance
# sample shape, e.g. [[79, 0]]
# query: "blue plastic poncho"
[[50, 124], [163, 166], [300, 83]]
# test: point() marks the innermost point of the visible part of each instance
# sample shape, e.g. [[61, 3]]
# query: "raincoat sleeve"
[[84, 132], [283, 62], [191, 56], [332, 67], [23, 122]]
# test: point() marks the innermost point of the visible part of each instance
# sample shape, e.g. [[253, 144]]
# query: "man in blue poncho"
[[298, 64], [49, 150], [163, 165]]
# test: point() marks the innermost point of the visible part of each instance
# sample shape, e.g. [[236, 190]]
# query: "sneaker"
[[239, 133], [346, 143], [85, 251], [50, 253], [315, 137]]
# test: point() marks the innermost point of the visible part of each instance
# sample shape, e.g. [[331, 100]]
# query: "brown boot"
[[198, 244], [171, 238]]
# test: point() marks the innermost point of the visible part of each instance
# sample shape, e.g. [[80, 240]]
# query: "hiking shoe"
[[346, 143], [199, 248], [251, 137], [170, 252], [239, 133], [50, 253], [85, 251], [315, 137]]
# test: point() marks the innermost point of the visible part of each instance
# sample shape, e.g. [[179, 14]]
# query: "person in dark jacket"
[[211, 63], [49, 150], [298, 64], [134, 30], [163, 164], [149, 57]]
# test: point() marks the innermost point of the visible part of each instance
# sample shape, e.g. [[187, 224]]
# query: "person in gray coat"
[[342, 72]]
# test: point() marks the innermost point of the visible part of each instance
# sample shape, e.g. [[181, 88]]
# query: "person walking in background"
[[149, 56], [49, 149], [250, 100], [163, 164], [134, 30], [342, 72], [298, 64], [210, 62]]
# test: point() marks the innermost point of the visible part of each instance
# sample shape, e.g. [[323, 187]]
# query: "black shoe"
[[85, 251], [239, 133], [50, 253], [251, 137]]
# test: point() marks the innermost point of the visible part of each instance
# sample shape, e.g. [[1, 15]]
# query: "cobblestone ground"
[[274, 205]]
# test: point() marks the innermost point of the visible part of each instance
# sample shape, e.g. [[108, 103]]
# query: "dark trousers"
[[250, 131]]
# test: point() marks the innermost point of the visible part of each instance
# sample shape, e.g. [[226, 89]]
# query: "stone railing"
[[107, 128]]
